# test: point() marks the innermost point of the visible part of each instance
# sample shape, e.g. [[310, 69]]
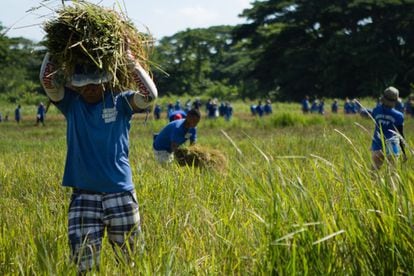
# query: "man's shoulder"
[[398, 114], [172, 125], [377, 109]]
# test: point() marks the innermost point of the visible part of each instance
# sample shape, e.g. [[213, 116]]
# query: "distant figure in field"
[[40, 115], [157, 112], [259, 109], [253, 110], [208, 103], [197, 104], [321, 107], [170, 108], [388, 129], [212, 109], [315, 106], [1, 117], [305, 105], [228, 111], [17, 114], [173, 135], [349, 106], [334, 106], [177, 105], [222, 109], [268, 107], [356, 105], [187, 106]]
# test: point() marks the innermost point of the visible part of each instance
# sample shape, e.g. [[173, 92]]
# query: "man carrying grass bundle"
[[388, 129], [97, 162], [176, 133]]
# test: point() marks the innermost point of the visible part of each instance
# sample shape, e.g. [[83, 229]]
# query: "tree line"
[[286, 49]]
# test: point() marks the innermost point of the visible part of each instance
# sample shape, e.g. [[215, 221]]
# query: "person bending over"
[[173, 135]]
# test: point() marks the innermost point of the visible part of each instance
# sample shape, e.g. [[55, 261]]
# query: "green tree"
[[20, 60], [194, 61], [329, 48]]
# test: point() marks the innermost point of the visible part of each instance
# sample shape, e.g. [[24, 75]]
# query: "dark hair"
[[194, 112]]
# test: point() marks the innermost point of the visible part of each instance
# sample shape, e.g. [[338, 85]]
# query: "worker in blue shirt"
[[97, 165], [305, 104], [268, 107], [157, 112], [175, 134], [388, 129]]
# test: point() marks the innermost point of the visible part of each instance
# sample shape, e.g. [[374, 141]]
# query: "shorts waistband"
[[82, 191], [87, 192]]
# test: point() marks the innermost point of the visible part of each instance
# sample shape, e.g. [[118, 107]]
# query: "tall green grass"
[[298, 198]]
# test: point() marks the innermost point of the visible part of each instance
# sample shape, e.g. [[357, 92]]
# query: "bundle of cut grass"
[[202, 157], [92, 36]]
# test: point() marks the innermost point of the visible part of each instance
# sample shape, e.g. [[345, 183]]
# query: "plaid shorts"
[[90, 214]]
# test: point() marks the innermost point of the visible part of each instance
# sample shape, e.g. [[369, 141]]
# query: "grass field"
[[297, 199]]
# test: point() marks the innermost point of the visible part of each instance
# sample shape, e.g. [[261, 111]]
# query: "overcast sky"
[[161, 17]]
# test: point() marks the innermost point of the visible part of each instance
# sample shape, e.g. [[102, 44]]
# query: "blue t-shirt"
[[17, 114], [41, 111], [259, 110], [228, 112], [388, 119], [98, 142], [174, 132], [334, 107], [305, 105], [349, 108]]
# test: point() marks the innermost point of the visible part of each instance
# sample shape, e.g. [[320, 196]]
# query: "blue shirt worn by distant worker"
[[97, 137], [387, 120], [174, 132], [17, 114], [41, 111], [305, 105]]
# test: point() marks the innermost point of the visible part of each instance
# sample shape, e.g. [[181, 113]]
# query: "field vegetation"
[[298, 195], [298, 198]]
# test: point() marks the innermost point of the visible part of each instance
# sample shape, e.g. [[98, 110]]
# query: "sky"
[[159, 17]]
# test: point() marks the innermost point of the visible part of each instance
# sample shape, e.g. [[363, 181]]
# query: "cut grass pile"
[[202, 157]]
